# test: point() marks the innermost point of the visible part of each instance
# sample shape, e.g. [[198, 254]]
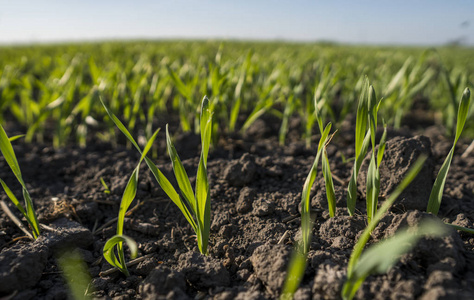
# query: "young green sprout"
[[330, 193], [106, 187], [297, 264], [437, 191], [196, 208], [200, 202], [10, 157], [305, 201], [362, 140], [348, 289], [373, 173], [127, 199]]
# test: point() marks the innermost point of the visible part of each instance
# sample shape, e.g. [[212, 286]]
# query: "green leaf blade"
[[330, 193], [127, 199], [361, 118], [206, 128], [30, 213], [13, 198], [120, 125], [436, 194], [180, 174], [110, 256], [463, 110], [7, 150]]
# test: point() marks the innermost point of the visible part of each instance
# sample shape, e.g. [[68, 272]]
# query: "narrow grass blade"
[[234, 113], [352, 186], [361, 118], [285, 120], [16, 137], [372, 110], [13, 198], [203, 206], [30, 213], [106, 187], [372, 189], [305, 203], [120, 125], [206, 126], [317, 113], [9, 155], [463, 110], [382, 144], [110, 255], [127, 199], [180, 173], [436, 195], [460, 228], [330, 193]]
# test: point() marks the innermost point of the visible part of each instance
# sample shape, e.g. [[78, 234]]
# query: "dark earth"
[[256, 190]]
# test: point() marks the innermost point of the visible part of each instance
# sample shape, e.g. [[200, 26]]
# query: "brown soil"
[[256, 190]]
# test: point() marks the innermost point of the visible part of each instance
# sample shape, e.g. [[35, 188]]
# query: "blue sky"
[[415, 22]]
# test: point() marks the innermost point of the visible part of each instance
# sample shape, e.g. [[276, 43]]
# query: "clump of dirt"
[[400, 154]]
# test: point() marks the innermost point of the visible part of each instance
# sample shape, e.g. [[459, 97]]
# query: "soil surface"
[[256, 191]]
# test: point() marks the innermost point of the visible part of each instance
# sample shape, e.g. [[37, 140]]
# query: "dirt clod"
[[66, 234], [270, 263], [246, 198], [160, 282], [21, 266], [203, 271], [240, 172], [400, 154]]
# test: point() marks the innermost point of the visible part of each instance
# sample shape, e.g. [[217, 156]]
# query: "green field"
[[56, 88]]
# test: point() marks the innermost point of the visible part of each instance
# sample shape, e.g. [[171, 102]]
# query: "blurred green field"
[[51, 92]]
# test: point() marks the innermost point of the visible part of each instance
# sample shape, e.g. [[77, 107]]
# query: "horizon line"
[[46, 42]]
